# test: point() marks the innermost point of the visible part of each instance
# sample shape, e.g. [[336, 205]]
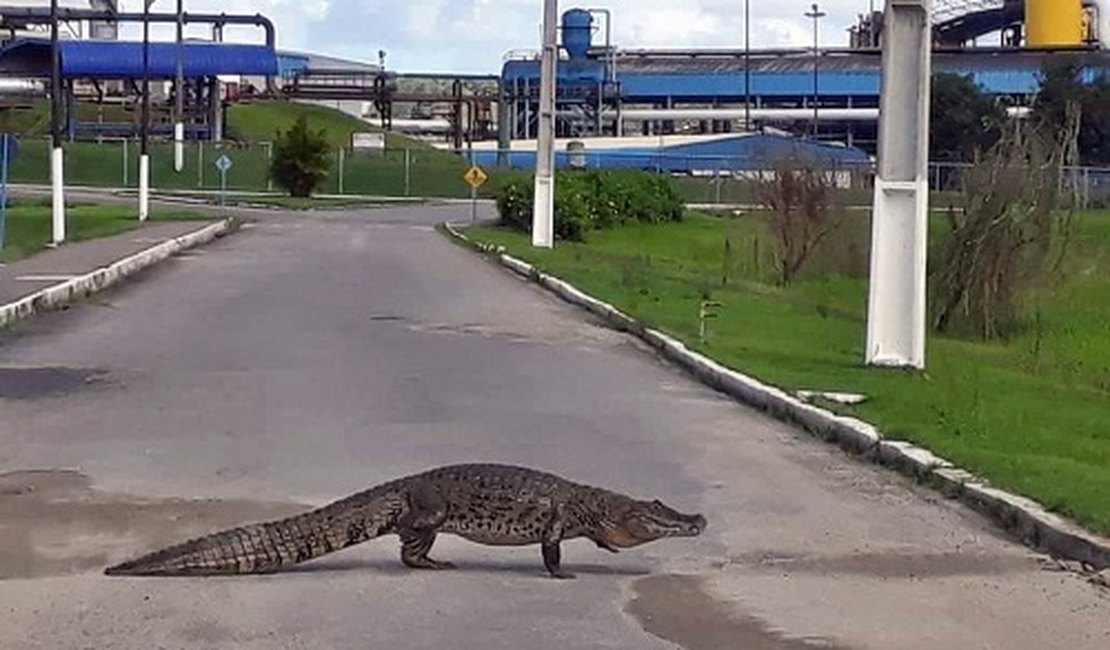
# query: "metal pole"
[[747, 66], [816, 14], [179, 92], [57, 155], [543, 222], [144, 155], [3, 191]]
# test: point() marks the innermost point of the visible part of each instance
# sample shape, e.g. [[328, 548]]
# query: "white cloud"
[[474, 35]]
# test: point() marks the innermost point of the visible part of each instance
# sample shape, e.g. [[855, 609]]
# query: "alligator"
[[497, 505]]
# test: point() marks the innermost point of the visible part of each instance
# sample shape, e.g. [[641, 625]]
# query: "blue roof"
[[120, 59]]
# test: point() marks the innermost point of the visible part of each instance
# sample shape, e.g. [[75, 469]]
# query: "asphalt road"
[[311, 356]]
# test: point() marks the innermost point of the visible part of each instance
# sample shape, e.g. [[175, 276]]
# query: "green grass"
[[260, 121], [29, 225], [1029, 414]]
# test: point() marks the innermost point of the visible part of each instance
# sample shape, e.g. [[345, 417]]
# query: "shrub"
[[1009, 235], [592, 200], [800, 199], [301, 161]]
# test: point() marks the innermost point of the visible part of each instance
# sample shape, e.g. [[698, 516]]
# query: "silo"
[[1053, 23], [577, 32]]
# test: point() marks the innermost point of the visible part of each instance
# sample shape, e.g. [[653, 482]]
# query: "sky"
[[475, 35]]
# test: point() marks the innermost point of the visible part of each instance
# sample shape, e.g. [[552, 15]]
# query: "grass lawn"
[[1031, 414], [29, 225]]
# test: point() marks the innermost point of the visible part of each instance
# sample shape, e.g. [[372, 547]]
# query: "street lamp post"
[[816, 14], [179, 93], [543, 227], [57, 160], [747, 66], [144, 155]]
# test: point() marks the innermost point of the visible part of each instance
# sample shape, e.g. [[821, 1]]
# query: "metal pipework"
[[37, 15]]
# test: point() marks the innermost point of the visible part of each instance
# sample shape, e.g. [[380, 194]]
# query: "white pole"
[[896, 324], [144, 187], [543, 221], [57, 173], [178, 147]]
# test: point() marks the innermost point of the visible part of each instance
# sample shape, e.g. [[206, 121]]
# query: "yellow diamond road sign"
[[475, 176]]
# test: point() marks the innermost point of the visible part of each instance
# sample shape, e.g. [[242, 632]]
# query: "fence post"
[[269, 163], [408, 172], [126, 145], [1086, 188], [342, 157]]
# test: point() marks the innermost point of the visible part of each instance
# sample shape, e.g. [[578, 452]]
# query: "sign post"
[[224, 164], [475, 178]]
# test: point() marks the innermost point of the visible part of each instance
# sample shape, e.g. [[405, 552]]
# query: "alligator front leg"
[[551, 558], [550, 545]]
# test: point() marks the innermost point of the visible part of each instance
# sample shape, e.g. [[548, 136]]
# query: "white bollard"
[[178, 147], [144, 187], [57, 177]]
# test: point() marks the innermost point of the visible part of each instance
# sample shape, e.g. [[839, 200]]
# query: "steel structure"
[[197, 99]]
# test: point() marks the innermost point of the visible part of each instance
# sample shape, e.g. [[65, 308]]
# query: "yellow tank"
[[1051, 23]]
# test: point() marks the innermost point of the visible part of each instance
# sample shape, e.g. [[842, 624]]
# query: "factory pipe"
[[767, 114], [38, 15]]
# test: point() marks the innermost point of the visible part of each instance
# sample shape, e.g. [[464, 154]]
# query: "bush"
[[1010, 233], [802, 211], [301, 161], [592, 200]]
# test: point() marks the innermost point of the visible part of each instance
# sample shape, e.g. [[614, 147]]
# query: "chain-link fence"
[[411, 172], [424, 171], [1083, 187]]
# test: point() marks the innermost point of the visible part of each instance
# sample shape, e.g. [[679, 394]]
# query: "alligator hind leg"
[[417, 528], [414, 552]]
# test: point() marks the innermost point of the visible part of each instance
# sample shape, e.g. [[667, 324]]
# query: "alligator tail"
[[271, 546]]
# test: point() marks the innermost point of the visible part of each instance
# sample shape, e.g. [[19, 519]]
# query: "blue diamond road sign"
[[223, 163]]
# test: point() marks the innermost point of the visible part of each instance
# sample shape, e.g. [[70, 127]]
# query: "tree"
[[1062, 86], [963, 120], [301, 160], [800, 198]]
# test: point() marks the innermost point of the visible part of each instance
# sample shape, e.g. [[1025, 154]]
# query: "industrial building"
[[618, 106], [827, 94]]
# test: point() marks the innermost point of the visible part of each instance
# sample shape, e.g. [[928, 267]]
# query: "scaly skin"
[[499, 505]]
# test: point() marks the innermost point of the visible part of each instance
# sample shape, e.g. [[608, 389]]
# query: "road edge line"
[[104, 277], [1023, 517]]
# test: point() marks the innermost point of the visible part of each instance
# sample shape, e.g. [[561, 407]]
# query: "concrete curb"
[[1026, 519], [107, 276]]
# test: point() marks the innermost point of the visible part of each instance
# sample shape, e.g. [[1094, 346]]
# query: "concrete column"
[[896, 324]]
